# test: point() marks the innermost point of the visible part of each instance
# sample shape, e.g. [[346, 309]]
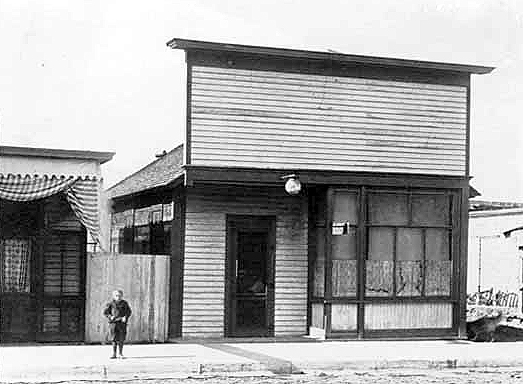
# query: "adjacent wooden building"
[[49, 212], [315, 192]]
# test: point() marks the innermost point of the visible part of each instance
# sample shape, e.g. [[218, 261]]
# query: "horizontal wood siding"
[[205, 250], [252, 118]]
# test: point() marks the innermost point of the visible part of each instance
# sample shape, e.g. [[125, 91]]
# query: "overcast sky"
[[96, 74]]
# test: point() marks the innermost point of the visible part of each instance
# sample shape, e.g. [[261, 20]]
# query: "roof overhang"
[[100, 157], [179, 180], [185, 44], [257, 176]]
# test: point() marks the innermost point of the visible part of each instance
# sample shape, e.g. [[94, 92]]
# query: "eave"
[[185, 44], [100, 157]]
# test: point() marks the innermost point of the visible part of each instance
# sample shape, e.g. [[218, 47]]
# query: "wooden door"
[[62, 295], [250, 277]]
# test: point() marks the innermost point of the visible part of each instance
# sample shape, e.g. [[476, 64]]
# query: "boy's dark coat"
[[115, 312]]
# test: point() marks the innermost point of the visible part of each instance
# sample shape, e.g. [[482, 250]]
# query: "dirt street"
[[468, 376]]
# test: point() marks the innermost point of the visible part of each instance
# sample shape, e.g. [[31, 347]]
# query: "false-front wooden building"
[[49, 202], [316, 193]]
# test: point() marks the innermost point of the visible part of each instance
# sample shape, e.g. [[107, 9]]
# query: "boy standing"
[[118, 312]]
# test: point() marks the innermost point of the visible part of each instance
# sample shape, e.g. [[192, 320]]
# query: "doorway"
[[250, 276]]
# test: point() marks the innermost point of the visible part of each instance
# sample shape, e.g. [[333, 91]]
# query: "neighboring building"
[[370, 238], [49, 198], [494, 258]]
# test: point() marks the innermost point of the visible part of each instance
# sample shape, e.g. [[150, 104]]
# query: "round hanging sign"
[[293, 186]]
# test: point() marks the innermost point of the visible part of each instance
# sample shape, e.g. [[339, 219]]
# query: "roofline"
[[141, 169], [185, 44], [101, 157], [496, 212], [176, 182]]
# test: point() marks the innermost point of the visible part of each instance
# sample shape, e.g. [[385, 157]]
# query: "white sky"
[[96, 74]]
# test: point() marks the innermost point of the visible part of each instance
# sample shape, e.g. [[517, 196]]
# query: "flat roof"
[[101, 157], [185, 44]]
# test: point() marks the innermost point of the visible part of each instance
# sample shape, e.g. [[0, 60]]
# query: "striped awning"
[[81, 193]]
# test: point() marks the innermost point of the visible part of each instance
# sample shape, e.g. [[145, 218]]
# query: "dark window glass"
[[167, 228], [380, 264], [430, 210], [381, 243], [157, 239], [345, 208], [437, 244], [388, 209], [142, 239], [127, 240], [344, 246], [409, 253], [409, 244]]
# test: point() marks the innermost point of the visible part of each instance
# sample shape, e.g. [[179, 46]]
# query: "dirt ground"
[[468, 376]]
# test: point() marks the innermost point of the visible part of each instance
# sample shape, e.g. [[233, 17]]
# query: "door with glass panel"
[[342, 272], [250, 276]]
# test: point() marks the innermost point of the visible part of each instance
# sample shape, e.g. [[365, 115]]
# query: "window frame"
[[450, 227], [362, 246]]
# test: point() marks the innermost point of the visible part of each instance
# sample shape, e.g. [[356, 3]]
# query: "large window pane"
[[409, 256], [380, 264], [344, 246], [386, 208], [345, 208], [438, 265], [430, 210], [410, 244], [437, 244], [344, 264]]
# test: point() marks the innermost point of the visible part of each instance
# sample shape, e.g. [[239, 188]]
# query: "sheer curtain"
[[15, 256]]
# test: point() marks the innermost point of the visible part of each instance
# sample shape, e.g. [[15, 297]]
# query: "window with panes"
[[405, 248], [409, 244]]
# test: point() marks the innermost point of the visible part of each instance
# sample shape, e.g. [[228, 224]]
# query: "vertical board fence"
[[145, 282]]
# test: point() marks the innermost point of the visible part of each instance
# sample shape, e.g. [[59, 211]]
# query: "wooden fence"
[[145, 282]]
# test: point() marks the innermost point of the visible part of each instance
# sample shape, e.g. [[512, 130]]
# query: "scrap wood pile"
[[498, 299], [494, 317]]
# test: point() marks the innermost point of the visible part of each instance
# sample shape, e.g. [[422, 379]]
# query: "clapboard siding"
[[268, 119], [205, 251]]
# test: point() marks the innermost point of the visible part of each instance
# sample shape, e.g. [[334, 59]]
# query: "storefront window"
[[408, 245]]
